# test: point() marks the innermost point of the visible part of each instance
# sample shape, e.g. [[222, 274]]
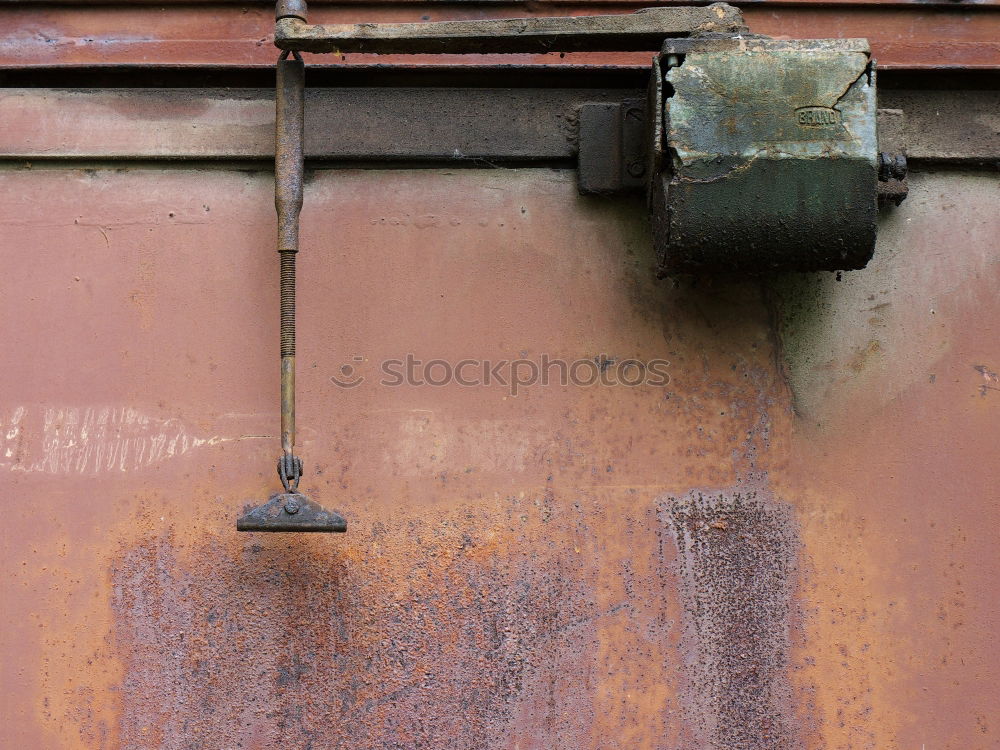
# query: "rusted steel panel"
[[459, 125], [941, 125], [607, 3], [790, 544], [924, 40], [490, 592], [912, 36]]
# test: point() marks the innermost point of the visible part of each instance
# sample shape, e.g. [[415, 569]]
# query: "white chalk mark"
[[92, 440]]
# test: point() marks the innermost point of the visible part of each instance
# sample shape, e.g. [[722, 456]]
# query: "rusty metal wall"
[[792, 545]]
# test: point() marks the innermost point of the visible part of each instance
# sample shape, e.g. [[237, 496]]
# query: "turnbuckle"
[[290, 471], [290, 510]]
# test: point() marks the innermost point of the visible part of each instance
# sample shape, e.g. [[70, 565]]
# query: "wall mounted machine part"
[[756, 155], [768, 159], [289, 510]]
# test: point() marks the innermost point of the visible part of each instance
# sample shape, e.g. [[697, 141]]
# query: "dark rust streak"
[[736, 565]]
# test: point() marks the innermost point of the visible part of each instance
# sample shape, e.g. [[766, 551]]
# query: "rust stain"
[[737, 567], [425, 634], [865, 356]]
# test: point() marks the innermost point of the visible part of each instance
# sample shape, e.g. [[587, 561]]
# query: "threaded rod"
[[288, 167], [287, 302]]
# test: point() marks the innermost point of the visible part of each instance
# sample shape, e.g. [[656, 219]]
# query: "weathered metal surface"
[[289, 157], [463, 126], [943, 126], [568, 568], [623, 32], [289, 169], [564, 568], [772, 157], [612, 145], [626, 3], [891, 378], [438, 3], [737, 557], [960, 35], [384, 124]]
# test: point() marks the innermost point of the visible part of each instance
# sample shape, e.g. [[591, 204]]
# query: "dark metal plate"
[[274, 515]]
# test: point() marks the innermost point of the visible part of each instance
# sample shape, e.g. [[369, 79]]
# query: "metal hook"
[[290, 471]]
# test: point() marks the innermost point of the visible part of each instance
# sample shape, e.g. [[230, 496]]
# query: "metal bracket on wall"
[[755, 154]]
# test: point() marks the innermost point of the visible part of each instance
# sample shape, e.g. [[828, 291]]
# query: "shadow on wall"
[[863, 337]]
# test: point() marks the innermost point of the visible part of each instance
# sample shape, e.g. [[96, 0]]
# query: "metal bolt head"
[[291, 506], [899, 167]]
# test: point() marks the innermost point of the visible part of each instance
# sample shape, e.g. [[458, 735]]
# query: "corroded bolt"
[[891, 167], [292, 506]]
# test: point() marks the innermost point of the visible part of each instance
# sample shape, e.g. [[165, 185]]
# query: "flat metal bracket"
[[613, 156], [643, 30], [291, 511]]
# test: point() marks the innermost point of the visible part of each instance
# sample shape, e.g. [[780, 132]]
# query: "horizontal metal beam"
[[913, 36], [943, 126], [645, 29], [411, 125]]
